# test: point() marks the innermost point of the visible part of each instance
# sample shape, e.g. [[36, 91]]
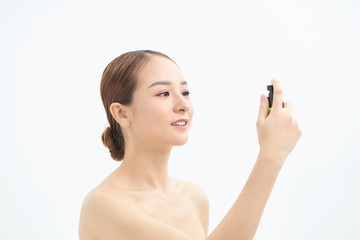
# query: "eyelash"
[[187, 93]]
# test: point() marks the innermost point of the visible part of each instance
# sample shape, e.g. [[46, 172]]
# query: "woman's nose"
[[182, 104]]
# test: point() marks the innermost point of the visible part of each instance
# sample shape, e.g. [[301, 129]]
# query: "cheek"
[[191, 110], [152, 114]]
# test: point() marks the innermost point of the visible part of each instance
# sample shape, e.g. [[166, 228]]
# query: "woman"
[[149, 111]]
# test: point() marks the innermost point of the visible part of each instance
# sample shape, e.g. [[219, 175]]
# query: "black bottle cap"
[[270, 88]]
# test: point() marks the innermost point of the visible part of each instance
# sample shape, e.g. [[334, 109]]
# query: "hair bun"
[[114, 142]]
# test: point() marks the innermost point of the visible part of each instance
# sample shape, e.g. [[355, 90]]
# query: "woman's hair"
[[118, 84]]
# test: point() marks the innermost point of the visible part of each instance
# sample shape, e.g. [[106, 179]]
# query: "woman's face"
[[160, 99]]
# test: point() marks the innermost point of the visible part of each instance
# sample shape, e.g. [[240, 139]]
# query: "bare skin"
[[113, 213], [139, 200]]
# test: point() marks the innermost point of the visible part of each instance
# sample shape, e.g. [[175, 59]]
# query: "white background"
[[52, 55]]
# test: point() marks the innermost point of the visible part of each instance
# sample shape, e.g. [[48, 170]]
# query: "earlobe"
[[118, 112]]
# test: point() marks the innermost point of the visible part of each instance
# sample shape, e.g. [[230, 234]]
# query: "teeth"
[[179, 123]]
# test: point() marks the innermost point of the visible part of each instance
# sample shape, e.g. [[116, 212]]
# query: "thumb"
[[264, 108]]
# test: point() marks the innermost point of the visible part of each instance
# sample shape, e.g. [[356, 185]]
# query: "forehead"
[[159, 69]]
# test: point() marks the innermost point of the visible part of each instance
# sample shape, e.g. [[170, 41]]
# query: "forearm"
[[242, 220]]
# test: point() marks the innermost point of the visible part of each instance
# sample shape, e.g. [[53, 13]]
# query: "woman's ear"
[[118, 111]]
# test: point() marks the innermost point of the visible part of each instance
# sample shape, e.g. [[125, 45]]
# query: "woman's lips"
[[181, 120], [181, 127]]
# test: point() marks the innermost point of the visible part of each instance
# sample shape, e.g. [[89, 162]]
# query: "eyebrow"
[[165, 83]]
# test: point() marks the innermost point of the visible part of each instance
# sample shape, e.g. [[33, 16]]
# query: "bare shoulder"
[[200, 198], [99, 198], [195, 191], [109, 214], [100, 204]]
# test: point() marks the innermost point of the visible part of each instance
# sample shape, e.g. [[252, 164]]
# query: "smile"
[[180, 123]]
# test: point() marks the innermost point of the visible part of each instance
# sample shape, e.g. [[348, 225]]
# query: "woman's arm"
[[278, 133], [244, 216]]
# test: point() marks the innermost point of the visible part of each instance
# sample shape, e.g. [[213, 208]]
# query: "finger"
[[263, 109], [278, 94], [289, 106]]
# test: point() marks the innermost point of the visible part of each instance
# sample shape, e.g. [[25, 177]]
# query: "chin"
[[179, 141], [180, 144]]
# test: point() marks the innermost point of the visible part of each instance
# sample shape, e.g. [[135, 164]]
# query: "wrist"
[[270, 158]]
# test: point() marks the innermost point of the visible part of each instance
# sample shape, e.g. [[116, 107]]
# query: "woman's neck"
[[146, 168]]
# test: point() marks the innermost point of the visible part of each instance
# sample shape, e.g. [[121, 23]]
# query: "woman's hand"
[[278, 131]]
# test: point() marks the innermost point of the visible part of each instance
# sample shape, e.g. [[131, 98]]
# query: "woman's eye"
[[161, 94], [164, 94], [187, 93]]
